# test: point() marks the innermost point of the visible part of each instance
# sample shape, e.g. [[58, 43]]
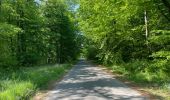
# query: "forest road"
[[89, 82]]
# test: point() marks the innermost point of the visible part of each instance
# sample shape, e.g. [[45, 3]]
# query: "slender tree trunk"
[[147, 32], [146, 25]]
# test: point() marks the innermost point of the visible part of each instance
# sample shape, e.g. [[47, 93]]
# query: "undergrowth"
[[23, 83], [149, 75]]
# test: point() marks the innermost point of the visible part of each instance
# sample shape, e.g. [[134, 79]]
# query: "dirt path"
[[88, 82]]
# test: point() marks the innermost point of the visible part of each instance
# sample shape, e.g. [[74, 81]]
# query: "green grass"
[[21, 84], [139, 72]]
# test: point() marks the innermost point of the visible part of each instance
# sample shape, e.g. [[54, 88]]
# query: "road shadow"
[[86, 81]]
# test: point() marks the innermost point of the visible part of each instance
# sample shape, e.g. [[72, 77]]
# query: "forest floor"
[[88, 82]]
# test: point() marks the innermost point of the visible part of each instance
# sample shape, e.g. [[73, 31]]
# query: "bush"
[[136, 66], [144, 71]]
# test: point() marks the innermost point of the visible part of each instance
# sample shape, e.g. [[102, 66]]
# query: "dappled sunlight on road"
[[88, 82]]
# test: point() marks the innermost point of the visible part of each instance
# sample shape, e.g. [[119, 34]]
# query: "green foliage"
[[8, 30], [160, 37], [17, 90], [23, 83], [119, 69], [6, 59], [91, 53], [130, 33], [143, 71], [161, 54], [34, 33], [31, 34], [137, 66], [117, 29], [62, 35]]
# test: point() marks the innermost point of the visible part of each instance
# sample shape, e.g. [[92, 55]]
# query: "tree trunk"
[[146, 31], [146, 24]]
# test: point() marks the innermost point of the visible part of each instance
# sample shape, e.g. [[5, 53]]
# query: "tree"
[[36, 33], [123, 31]]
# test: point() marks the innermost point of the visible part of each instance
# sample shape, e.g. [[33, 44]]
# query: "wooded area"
[[135, 33], [34, 33], [131, 37]]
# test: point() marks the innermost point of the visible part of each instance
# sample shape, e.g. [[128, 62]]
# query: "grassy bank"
[[23, 83], [157, 83]]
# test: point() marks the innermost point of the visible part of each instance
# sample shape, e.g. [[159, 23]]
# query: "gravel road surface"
[[89, 82]]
